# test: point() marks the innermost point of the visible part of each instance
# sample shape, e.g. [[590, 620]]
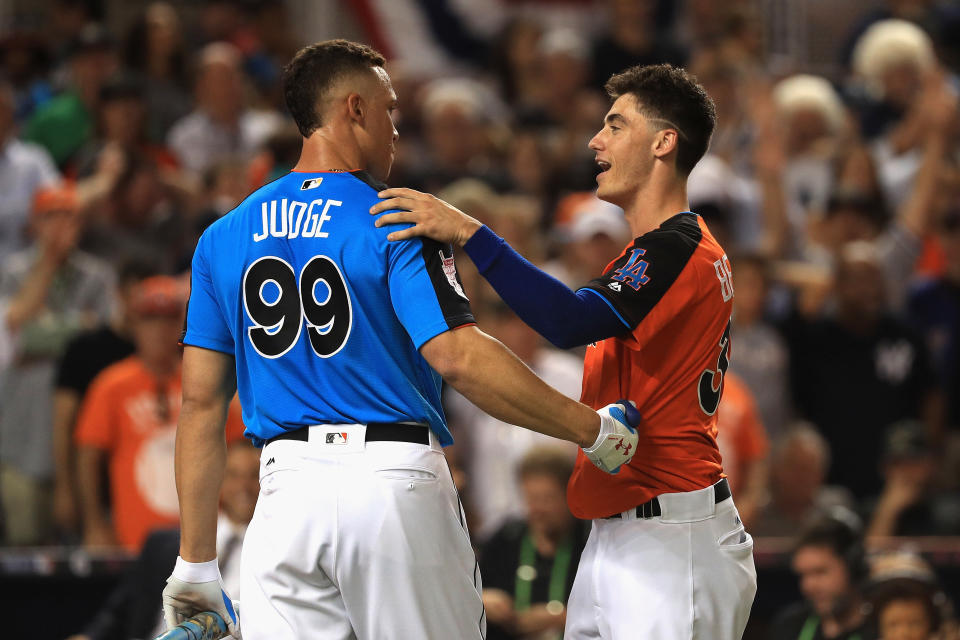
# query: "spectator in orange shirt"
[[129, 419], [743, 445]]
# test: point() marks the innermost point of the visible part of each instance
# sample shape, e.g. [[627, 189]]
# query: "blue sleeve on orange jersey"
[[566, 318], [205, 324]]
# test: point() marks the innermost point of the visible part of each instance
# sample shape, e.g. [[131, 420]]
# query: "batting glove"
[[617, 441], [194, 587]]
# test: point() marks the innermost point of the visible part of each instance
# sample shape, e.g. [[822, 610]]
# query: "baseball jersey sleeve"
[[96, 424], [205, 325], [639, 281], [425, 289]]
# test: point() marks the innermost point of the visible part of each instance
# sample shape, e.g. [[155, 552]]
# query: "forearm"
[[200, 458], [65, 403], [495, 380], [774, 209], [564, 317], [883, 523], [29, 300], [538, 618], [916, 211], [89, 460]]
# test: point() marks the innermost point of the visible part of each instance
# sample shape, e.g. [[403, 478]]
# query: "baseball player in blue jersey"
[[336, 340]]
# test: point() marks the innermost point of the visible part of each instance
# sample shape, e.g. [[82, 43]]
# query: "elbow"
[[453, 367], [563, 341]]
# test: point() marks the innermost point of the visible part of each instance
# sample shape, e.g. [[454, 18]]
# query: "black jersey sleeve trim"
[[641, 277], [454, 305]]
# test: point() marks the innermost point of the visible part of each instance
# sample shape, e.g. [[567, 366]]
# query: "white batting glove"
[[194, 587], [617, 441]]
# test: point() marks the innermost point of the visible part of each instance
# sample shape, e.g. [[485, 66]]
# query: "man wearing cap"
[[128, 419], [48, 292]]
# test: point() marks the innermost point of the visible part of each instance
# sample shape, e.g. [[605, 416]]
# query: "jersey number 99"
[[277, 304]]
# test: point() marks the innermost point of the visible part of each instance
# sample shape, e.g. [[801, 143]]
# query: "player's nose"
[[596, 143]]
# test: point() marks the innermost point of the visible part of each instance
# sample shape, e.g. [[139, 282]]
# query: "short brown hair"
[[666, 93], [547, 461], [312, 72]]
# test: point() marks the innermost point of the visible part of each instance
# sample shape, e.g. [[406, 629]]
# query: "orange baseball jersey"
[[127, 414], [674, 288]]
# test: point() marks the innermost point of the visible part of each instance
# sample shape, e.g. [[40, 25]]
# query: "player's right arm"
[[429, 301], [493, 378]]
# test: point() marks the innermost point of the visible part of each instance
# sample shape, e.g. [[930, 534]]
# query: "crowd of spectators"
[[837, 198]]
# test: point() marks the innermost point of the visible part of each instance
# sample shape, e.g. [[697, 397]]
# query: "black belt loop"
[[375, 432], [651, 508]]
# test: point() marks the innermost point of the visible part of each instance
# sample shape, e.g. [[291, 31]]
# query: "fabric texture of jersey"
[[674, 288], [323, 315]]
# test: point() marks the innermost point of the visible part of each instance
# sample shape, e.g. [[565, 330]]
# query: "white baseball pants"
[[687, 574], [354, 540]]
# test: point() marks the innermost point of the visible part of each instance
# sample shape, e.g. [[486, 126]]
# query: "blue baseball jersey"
[[324, 316]]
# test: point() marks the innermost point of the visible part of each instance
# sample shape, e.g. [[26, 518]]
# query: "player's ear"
[[356, 108], [664, 142]]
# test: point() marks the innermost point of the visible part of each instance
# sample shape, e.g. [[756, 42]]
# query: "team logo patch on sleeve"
[[312, 183], [450, 270]]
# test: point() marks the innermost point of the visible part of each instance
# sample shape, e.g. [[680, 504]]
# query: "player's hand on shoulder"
[[194, 587], [617, 441], [431, 217]]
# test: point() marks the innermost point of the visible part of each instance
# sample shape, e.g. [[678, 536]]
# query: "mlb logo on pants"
[[336, 437]]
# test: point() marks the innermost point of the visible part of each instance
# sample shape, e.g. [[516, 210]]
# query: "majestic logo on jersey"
[[450, 270], [633, 273], [312, 183], [336, 437], [615, 286]]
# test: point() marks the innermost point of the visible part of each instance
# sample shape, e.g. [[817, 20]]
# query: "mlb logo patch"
[[312, 183], [336, 437]]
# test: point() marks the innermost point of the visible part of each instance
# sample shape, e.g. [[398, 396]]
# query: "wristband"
[[196, 572]]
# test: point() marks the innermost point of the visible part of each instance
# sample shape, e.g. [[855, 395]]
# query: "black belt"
[[651, 508], [376, 431]]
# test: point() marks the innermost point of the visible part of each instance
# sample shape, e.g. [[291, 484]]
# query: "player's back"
[[323, 315]]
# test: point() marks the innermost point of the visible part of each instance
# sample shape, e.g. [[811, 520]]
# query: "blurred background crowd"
[[832, 181]]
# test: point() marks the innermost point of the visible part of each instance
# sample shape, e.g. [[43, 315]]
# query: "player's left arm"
[[564, 317], [209, 382]]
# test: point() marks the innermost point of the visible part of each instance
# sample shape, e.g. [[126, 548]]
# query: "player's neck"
[[654, 203], [330, 149]]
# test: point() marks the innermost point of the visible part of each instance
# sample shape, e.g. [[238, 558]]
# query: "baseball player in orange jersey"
[[667, 556]]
